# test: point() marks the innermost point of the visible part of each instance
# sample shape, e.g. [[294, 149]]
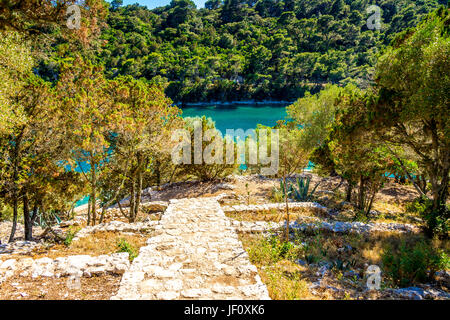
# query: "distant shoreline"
[[224, 103]]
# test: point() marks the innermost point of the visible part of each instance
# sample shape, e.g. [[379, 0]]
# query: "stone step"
[[196, 255]]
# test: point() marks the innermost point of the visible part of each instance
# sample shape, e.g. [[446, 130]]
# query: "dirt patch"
[[94, 245], [27, 288]]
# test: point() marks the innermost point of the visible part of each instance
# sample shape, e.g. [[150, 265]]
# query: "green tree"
[[413, 84], [91, 119], [357, 153], [143, 137], [15, 65], [34, 151]]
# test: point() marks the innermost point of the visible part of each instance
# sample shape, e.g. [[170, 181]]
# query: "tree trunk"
[[369, 206], [348, 195], [35, 214], [287, 209], [14, 225], [123, 212], [89, 212], [138, 195], [93, 193], [132, 199], [440, 191], [15, 187], [361, 193], [28, 226]]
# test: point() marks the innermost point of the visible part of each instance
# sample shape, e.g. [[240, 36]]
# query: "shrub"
[[413, 264], [283, 283], [277, 194], [6, 212], [271, 250], [124, 246], [70, 235], [436, 221]]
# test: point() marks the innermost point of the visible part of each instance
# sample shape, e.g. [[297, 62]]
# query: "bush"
[[6, 212], [70, 235], [124, 246], [314, 251], [301, 192], [413, 264], [436, 221], [271, 250]]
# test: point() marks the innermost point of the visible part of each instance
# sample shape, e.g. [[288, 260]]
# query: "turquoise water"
[[239, 116]]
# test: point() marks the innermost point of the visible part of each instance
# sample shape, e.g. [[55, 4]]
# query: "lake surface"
[[239, 116]]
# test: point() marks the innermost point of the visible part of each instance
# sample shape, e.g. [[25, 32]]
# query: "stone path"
[[195, 254]]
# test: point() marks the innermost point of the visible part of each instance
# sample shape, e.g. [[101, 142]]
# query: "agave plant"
[[301, 193]]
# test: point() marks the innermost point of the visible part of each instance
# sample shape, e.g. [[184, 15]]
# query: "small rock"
[[301, 262]]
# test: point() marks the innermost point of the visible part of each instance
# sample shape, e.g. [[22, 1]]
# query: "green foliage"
[[314, 114], [313, 250], [411, 108], [15, 63], [214, 147], [343, 265], [124, 246], [282, 249], [273, 249], [299, 192], [436, 221], [6, 212], [236, 50], [70, 235], [414, 263]]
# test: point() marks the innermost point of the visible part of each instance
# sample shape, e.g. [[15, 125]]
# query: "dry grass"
[[286, 279], [94, 288], [274, 215], [27, 288], [95, 244]]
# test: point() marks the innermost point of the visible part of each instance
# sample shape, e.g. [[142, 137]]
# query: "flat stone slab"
[[195, 254]]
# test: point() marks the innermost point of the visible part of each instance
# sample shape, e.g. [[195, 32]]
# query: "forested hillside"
[[266, 49]]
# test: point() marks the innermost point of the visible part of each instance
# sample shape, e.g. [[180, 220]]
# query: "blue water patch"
[[239, 116], [83, 201]]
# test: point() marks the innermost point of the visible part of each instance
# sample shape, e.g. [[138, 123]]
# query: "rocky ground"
[[184, 249]]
